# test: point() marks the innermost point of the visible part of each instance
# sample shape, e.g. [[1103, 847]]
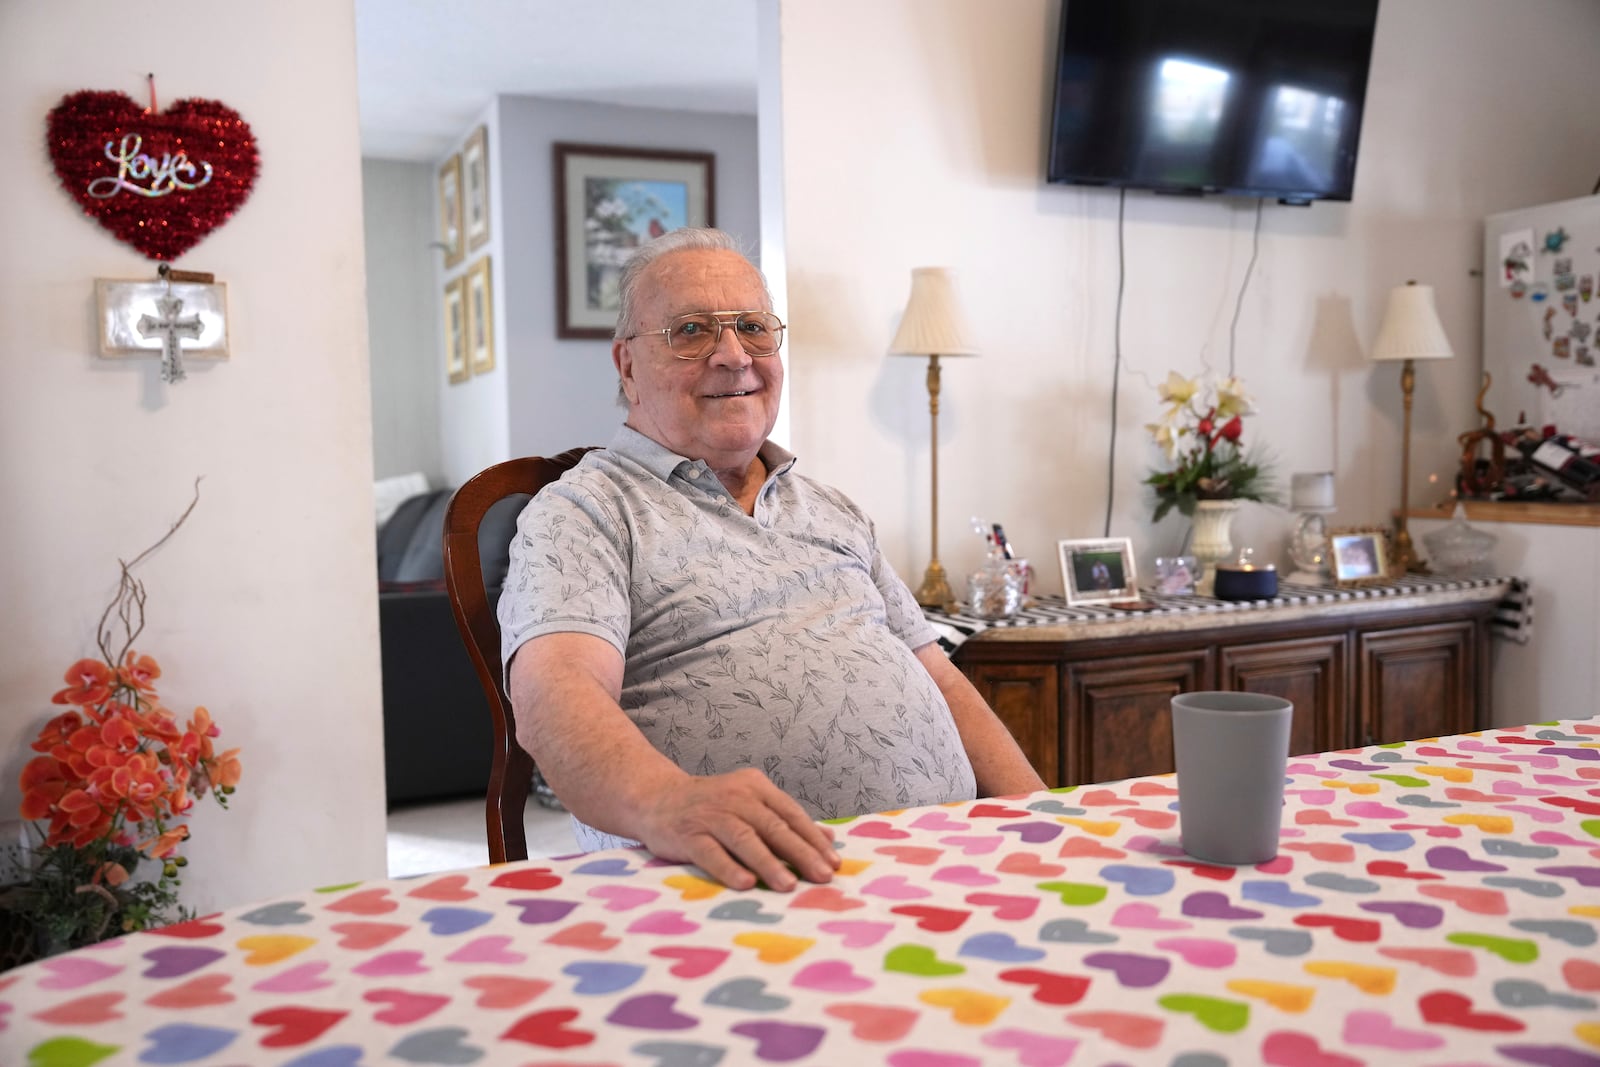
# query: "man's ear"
[[622, 359]]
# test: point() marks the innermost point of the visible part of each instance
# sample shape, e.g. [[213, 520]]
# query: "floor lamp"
[[933, 326], [1411, 331]]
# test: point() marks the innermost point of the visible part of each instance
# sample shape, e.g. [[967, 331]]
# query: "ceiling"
[[427, 68]]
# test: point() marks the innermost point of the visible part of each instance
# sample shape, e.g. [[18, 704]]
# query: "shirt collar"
[[663, 462]]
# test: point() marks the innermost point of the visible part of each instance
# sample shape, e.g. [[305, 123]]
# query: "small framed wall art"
[[455, 330], [1098, 570], [610, 200], [450, 234], [480, 316], [1361, 555], [475, 187], [128, 313]]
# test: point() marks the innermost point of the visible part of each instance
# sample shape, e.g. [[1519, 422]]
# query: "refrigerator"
[[1541, 316]]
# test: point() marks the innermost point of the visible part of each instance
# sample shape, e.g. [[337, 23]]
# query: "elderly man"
[[706, 650]]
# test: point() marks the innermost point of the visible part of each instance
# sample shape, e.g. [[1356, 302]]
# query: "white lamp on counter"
[[1311, 498], [933, 326], [1411, 331]]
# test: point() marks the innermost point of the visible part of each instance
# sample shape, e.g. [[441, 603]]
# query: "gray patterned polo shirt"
[[781, 640]]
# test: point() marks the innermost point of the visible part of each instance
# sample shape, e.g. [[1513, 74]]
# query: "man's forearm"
[[997, 762], [590, 752], [737, 826]]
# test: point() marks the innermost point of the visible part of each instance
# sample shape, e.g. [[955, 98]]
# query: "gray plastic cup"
[[1232, 752]]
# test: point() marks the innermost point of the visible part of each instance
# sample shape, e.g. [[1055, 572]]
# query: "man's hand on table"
[[738, 827]]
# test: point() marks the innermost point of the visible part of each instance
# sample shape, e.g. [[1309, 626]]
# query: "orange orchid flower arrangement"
[[115, 777]]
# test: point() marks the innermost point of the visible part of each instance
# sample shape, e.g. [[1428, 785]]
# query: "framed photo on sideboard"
[[1098, 570], [1361, 555]]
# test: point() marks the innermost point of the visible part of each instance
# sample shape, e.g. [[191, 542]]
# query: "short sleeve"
[[569, 571], [904, 616]]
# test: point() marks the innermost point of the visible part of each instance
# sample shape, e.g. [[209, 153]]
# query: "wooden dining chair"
[[511, 769]]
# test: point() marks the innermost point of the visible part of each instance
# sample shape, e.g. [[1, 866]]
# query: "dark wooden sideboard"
[[1089, 702]]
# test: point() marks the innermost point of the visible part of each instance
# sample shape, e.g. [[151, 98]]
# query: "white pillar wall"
[[261, 607]]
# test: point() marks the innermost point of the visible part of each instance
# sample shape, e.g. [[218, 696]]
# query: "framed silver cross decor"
[[173, 320]]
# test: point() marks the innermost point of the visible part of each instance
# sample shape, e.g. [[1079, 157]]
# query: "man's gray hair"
[[683, 240]]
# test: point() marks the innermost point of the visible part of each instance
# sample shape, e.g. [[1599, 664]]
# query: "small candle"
[[1311, 490]]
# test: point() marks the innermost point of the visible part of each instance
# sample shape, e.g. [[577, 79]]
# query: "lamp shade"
[[1411, 327], [1311, 491], [933, 324]]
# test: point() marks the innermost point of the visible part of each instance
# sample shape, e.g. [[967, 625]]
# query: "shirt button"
[[694, 472]]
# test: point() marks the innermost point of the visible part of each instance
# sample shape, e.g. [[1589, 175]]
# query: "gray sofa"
[[436, 729]]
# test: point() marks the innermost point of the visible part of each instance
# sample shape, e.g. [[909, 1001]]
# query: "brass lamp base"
[[934, 592], [1406, 560]]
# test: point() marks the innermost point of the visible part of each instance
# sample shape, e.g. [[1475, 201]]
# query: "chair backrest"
[[511, 770]]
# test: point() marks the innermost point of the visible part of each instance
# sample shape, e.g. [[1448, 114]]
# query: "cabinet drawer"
[[1311, 673], [1418, 681], [1119, 712], [1025, 697]]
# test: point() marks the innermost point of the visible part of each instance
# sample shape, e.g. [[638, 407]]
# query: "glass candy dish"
[[1460, 549]]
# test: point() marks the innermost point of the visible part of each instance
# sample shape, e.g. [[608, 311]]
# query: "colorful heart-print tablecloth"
[[1435, 902]]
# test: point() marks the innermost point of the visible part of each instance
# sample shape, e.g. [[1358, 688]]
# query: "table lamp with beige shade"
[[933, 326], [1410, 331]]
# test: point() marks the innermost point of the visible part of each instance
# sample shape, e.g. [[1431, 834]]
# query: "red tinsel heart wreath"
[[160, 181]]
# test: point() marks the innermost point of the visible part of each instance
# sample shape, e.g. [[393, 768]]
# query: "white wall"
[[914, 134], [1557, 673], [562, 393], [769, 133], [261, 607], [403, 317]]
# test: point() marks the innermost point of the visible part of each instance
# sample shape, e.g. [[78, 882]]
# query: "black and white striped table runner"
[[1513, 619]]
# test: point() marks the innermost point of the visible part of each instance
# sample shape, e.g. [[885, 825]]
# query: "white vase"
[[1211, 544]]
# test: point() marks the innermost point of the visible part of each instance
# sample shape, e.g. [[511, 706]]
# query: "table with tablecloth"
[[1433, 902]]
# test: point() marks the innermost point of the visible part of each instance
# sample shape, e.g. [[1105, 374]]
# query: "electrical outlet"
[[15, 847]]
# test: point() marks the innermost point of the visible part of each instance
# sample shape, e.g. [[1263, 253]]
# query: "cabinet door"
[[1310, 673], [1418, 681], [1119, 712], [1025, 697]]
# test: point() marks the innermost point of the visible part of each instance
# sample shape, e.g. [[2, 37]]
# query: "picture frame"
[[479, 300], [1098, 570], [455, 330], [1360, 555], [1175, 575], [475, 187], [450, 234], [121, 304], [609, 200]]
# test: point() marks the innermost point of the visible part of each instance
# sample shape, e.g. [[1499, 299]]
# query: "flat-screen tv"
[[1255, 98]]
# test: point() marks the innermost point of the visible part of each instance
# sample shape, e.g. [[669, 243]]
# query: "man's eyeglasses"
[[696, 336]]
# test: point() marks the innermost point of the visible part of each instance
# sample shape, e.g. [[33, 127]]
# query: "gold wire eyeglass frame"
[[722, 318]]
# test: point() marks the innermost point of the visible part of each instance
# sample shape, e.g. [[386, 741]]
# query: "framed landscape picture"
[[1361, 555], [479, 298], [475, 187], [1098, 570], [609, 201], [455, 330], [450, 234]]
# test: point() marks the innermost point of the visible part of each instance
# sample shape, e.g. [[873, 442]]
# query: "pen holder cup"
[[995, 591]]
